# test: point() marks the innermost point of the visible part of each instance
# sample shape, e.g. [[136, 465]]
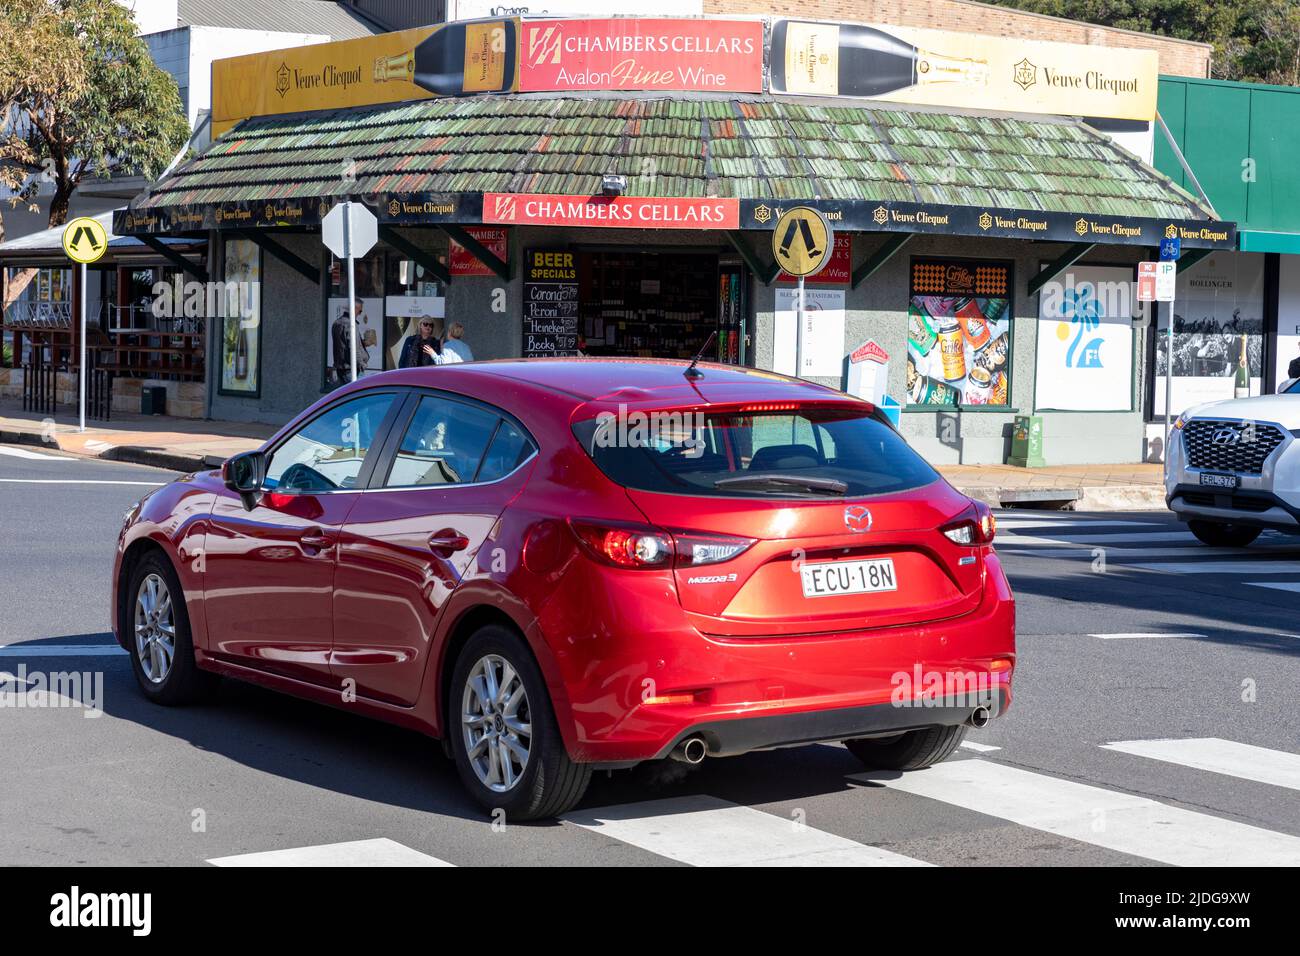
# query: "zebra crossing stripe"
[[1244, 761], [707, 831], [1117, 821], [377, 852]]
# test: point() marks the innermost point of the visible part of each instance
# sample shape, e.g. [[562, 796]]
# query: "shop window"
[[959, 333], [393, 293], [1218, 348]]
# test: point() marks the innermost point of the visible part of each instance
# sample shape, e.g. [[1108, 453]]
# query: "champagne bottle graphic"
[[241, 354], [1241, 377], [459, 58], [846, 59]]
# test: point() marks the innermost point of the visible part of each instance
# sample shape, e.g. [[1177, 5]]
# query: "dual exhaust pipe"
[[693, 750]]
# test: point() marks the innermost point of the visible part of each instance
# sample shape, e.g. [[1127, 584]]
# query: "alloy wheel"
[[496, 723], [155, 628]]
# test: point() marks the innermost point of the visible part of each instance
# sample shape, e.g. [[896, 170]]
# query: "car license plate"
[[829, 578], [1217, 480]]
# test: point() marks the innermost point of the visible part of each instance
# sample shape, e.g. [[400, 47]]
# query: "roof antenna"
[[691, 371]]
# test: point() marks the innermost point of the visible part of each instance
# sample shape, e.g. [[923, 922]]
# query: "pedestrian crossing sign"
[[85, 240], [802, 241]]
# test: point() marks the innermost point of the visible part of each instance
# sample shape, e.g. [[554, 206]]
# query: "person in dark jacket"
[[424, 348], [1293, 370]]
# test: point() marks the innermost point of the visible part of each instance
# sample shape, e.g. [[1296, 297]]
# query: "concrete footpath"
[[187, 445]]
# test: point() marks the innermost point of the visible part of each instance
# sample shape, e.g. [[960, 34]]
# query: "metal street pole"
[[1169, 381], [798, 333], [81, 427], [352, 294]]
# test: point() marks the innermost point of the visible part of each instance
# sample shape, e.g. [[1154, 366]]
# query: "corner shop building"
[[492, 213]]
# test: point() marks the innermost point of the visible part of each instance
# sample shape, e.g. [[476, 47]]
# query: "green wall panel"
[[1172, 103], [1218, 125]]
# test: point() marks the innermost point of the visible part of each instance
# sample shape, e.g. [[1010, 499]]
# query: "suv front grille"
[[1230, 446]]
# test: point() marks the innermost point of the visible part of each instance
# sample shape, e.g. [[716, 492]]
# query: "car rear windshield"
[[804, 453]]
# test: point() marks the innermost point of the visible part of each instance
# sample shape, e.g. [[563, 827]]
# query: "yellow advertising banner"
[[448, 60], [965, 70]]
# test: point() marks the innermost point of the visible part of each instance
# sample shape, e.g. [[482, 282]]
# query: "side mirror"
[[244, 474]]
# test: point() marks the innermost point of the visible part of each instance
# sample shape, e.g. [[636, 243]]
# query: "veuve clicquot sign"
[[453, 59], [967, 70]]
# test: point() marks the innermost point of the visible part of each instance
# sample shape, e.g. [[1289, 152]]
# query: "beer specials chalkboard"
[[550, 303]]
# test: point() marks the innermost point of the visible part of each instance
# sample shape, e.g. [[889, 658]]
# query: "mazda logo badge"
[[1226, 436], [857, 518]]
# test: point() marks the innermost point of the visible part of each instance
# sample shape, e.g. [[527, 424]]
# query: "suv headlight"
[[1180, 421]]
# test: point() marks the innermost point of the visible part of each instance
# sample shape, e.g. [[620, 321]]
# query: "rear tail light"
[[643, 546], [625, 546], [694, 550], [977, 526]]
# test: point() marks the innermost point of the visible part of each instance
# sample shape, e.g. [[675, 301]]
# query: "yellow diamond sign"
[[85, 240]]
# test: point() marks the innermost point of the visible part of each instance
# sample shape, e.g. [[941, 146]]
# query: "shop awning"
[[46, 247], [871, 169]]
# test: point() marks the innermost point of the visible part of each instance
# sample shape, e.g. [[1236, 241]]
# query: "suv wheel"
[[913, 750], [157, 631], [503, 733], [1221, 534]]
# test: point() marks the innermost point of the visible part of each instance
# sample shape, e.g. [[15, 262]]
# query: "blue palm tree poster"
[[1085, 340]]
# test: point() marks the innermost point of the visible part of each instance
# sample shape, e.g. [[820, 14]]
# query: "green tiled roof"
[[749, 148]]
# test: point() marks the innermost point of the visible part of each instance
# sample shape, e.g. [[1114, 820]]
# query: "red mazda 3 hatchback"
[[563, 565]]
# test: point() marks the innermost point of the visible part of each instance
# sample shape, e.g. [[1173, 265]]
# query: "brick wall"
[[1177, 57]]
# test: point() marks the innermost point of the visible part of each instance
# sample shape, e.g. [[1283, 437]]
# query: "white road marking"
[[60, 650], [979, 748], [1124, 537], [1122, 555], [32, 455], [1247, 566], [1247, 762], [76, 481], [1007, 521], [1276, 585], [379, 852], [706, 831], [1142, 634], [1117, 821]]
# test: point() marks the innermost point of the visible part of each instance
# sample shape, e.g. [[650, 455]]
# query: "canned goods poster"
[[959, 332]]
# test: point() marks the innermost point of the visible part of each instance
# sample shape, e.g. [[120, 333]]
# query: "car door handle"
[[446, 541], [315, 538]]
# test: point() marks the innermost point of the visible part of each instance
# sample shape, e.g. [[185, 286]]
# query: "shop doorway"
[[663, 304]]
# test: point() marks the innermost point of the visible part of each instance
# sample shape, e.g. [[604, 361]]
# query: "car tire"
[[155, 604], [545, 784], [913, 750], [1222, 534]]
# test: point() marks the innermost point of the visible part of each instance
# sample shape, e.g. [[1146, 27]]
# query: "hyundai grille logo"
[[1226, 436]]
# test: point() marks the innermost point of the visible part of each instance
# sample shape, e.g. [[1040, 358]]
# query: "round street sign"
[[85, 240], [802, 241]]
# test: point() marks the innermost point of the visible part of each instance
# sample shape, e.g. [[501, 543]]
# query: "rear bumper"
[[628, 694], [742, 734]]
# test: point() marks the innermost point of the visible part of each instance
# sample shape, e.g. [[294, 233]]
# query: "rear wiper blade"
[[830, 486]]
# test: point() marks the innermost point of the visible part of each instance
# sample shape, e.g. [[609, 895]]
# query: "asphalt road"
[[1174, 744]]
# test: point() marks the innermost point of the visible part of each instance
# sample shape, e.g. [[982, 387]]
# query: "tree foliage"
[[80, 96], [1257, 41]]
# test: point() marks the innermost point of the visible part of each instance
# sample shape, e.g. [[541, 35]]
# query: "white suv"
[[1233, 467]]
